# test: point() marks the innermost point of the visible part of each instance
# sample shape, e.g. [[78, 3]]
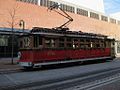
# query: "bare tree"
[[12, 22]]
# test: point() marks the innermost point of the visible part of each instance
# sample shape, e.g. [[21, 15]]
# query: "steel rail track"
[[96, 83], [79, 83]]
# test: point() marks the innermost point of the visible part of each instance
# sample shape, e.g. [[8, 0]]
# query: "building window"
[[3, 40], [112, 20], [6, 45], [29, 1], [104, 18], [47, 3], [67, 8], [118, 22], [82, 12], [51, 3], [94, 15], [118, 47], [44, 3]]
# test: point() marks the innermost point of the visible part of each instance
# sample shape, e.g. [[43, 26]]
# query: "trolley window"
[[24, 42], [61, 42], [75, 43], [108, 44], [37, 41], [49, 42], [69, 43]]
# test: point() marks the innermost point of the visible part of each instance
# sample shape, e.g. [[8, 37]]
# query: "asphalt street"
[[41, 76]]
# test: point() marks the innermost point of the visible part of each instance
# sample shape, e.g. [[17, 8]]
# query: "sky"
[[111, 6]]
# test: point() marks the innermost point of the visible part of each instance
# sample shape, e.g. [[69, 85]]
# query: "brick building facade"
[[35, 14]]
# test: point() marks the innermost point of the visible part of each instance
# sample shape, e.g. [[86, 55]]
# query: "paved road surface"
[[54, 74], [112, 86]]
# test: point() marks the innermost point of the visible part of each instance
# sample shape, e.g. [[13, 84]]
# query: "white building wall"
[[96, 5], [115, 15]]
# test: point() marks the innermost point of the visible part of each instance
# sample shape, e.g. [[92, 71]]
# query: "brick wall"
[[37, 16]]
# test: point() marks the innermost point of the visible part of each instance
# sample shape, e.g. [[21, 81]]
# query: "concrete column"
[[108, 19], [39, 2], [75, 10], [99, 16], [88, 13]]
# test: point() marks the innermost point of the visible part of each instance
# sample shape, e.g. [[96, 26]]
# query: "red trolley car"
[[44, 46]]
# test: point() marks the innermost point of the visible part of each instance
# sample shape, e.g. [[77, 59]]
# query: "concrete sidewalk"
[[5, 63]]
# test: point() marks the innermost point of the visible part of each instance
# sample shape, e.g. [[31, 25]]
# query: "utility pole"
[[12, 54]]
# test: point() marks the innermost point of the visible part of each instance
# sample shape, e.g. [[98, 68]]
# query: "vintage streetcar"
[[44, 46]]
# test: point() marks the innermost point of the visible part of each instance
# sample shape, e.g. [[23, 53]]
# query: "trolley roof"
[[65, 32]]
